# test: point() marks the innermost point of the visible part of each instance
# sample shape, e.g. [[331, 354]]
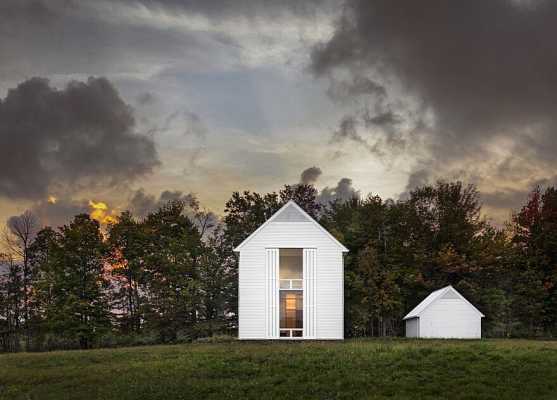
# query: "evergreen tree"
[[73, 281], [43, 261], [173, 251]]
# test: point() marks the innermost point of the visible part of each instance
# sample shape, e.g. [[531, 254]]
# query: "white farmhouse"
[[291, 280], [444, 314]]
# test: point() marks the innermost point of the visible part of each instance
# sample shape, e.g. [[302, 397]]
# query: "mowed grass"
[[354, 369]]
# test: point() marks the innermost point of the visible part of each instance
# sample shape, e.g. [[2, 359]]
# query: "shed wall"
[[450, 318], [412, 327]]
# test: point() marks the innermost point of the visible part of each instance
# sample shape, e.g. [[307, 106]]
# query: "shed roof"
[[291, 212], [446, 292]]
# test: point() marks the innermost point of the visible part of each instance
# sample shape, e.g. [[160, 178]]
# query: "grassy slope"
[[374, 369]]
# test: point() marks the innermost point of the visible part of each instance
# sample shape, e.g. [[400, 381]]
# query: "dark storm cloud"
[[486, 70], [482, 65], [238, 8], [32, 11], [343, 90], [378, 133], [512, 198], [61, 37], [80, 136], [58, 213], [506, 198], [348, 129], [342, 192], [310, 175], [385, 119], [146, 98], [142, 203], [417, 178], [43, 37]]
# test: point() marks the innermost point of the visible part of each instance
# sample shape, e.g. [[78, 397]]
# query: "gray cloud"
[[310, 175], [240, 8], [58, 213], [61, 37], [343, 90], [146, 98], [194, 124], [417, 178], [383, 119], [130, 37], [142, 203], [505, 199], [483, 69], [347, 129], [512, 198], [188, 121], [342, 192], [81, 136]]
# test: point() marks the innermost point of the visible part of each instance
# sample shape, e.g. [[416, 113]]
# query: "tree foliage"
[[173, 276]]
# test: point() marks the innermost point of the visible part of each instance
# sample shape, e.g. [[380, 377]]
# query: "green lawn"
[[374, 369]]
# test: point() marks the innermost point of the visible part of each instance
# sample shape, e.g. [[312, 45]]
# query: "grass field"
[[374, 369]]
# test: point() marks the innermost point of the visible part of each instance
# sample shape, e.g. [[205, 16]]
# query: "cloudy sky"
[[131, 102]]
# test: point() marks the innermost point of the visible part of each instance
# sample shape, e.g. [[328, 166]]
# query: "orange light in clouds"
[[99, 212], [52, 200], [98, 205]]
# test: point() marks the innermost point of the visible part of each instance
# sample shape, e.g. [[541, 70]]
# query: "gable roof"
[[446, 292], [291, 212]]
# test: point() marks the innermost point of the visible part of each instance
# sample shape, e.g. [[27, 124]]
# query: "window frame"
[[291, 288]]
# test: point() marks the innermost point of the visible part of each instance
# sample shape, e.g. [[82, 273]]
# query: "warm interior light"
[[290, 302]]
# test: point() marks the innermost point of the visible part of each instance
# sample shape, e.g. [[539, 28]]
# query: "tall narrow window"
[[291, 262], [291, 267]]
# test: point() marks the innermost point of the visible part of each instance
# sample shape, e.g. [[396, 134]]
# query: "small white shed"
[[291, 280], [444, 314]]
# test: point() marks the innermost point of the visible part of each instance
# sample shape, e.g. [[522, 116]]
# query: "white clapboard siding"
[[330, 294], [412, 327], [328, 285], [251, 295], [271, 293], [310, 263], [445, 314], [451, 319]]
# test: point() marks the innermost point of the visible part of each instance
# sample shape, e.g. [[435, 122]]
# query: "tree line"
[[172, 275]]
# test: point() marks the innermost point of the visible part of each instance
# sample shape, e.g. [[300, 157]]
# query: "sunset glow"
[[101, 213]]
